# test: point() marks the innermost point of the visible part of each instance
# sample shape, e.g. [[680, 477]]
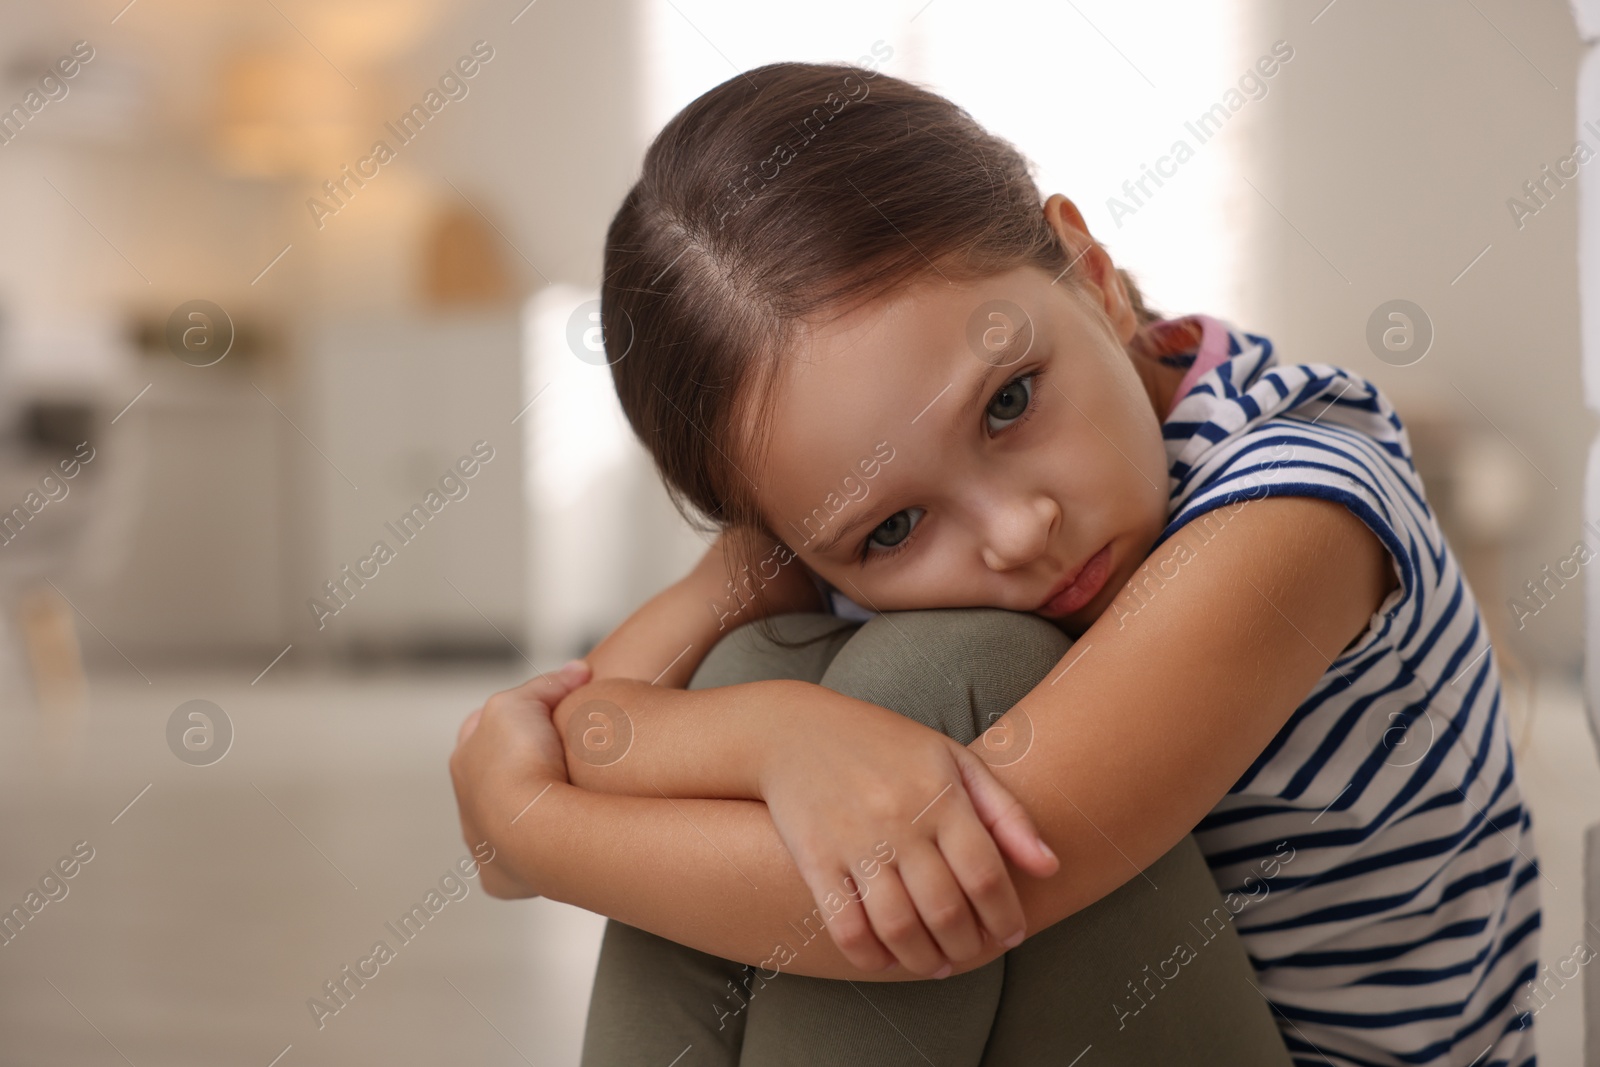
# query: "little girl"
[[876, 227]]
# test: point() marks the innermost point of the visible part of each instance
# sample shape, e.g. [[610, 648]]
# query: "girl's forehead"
[[881, 357], [867, 368], [885, 332]]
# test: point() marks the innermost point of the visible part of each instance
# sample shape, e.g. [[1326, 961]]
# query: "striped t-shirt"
[[1378, 850]]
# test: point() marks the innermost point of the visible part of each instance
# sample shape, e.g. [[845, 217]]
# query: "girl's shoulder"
[[1237, 391], [1250, 427]]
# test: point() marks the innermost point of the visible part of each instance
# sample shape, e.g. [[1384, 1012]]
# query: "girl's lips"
[[1083, 588]]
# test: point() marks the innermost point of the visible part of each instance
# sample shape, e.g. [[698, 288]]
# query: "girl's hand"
[[506, 753], [877, 807]]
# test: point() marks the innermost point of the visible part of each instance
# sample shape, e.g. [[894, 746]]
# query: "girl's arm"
[[614, 744], [622, 734], [1156, 718], [667, 637]]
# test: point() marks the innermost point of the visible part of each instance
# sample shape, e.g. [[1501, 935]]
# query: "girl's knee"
[[792, 645], [953, 669]]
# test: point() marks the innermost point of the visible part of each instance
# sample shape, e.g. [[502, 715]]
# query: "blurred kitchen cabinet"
[[396, 402], [201, 570]]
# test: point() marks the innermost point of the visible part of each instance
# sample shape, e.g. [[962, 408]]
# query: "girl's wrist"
[[784, 709], [521, 833]]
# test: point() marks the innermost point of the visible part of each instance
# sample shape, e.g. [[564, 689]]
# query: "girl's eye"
[[890, 535], [1010, 401], [1012, 404]]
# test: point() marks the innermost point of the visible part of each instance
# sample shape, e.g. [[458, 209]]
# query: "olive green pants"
[[1113, 977]]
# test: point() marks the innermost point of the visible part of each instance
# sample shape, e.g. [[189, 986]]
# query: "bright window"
[[1082, 88]]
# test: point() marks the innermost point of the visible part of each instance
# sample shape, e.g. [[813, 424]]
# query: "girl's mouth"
[[1079, 588]]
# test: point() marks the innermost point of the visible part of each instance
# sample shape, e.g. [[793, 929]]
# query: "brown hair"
[[788, 192]]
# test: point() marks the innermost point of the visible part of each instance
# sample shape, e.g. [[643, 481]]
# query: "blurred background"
[[259, 346]]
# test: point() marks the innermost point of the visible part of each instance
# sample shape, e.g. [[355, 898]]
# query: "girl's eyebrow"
[[980, 386], [843, 532]]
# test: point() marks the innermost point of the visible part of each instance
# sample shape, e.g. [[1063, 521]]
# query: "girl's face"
[[915, 463]]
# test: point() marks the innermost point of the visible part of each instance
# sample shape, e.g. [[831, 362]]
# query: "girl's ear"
[[1099, 279]]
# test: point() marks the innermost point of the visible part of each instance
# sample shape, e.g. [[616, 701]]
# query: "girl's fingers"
[[941, 903], [980, 870], [551, 686], [895, 921], [851, 929], [1005, 817]]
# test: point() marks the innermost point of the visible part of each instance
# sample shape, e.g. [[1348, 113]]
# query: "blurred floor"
[[225, 897], [1560, 776], [221, 901]]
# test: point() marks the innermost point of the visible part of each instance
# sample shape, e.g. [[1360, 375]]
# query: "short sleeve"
[[1287, 455]]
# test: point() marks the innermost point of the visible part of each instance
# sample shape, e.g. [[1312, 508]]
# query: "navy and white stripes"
[[1405, 928]]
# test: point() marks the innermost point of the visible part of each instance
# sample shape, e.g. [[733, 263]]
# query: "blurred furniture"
[[198, 565], [463, 263], [395, 400], [61, 384], [43, 519]]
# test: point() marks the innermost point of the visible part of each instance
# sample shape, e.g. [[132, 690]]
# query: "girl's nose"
[[1020, 533]]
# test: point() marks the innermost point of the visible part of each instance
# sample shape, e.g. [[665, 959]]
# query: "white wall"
[[1398, 134]]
